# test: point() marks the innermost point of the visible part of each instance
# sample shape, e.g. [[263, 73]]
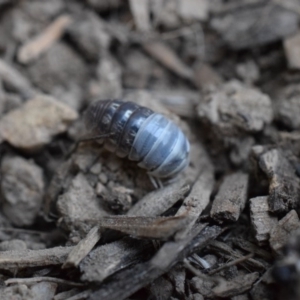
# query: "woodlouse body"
[[140, 134]]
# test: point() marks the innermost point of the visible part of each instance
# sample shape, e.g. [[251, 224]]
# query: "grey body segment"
[[155, 142]]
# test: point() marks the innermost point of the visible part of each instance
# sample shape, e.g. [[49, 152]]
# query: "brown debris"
[[262, 221], [231, 198], [35, 123], [287, 226], [35, 47]]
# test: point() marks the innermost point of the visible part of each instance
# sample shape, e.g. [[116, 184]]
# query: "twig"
[[82, 249], [41, 279], [199, 274], [36, 46], [232, 263]]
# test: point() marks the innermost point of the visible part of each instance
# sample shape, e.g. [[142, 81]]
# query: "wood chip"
[[158, 201], [82, 249], [165, 55], [194, 204], [113, 257], [280, 234], [33, 258], [262, 221], [39, 44], [231, 198], [283, 184], [33, 125]]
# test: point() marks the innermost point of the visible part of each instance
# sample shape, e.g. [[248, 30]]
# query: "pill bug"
[[136, 132]]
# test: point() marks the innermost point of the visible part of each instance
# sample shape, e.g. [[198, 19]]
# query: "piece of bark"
[[140, 10], [39, 44], [262, 221], [158, 201], [165, 55], [198, 199], [283, 182], [238, 285], [15, 80], [231, 198], [33, 125], [286, 227], [127, 282], [82, 249], [110, 258], [33, 258]]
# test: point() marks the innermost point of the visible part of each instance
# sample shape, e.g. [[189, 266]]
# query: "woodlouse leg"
[[93, 138], [156, 182]]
